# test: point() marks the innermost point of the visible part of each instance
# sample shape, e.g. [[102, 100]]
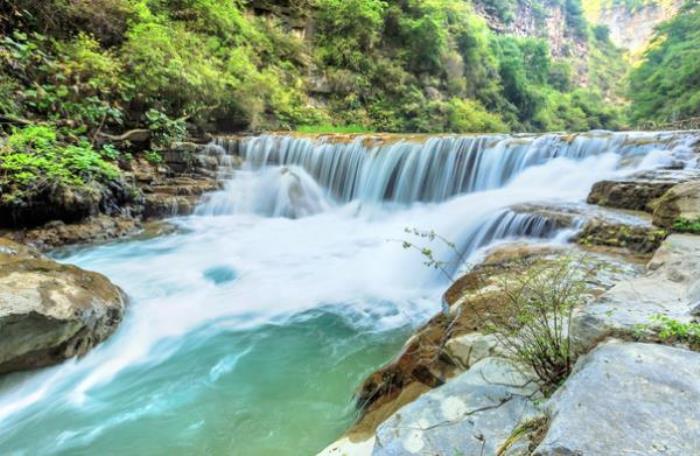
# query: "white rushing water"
[[249, 329]]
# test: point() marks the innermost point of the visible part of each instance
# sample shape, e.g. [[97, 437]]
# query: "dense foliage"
[[32, 160], [665, 88], [408, 65]]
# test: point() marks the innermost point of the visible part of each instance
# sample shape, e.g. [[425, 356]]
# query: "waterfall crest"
[[433, 169]]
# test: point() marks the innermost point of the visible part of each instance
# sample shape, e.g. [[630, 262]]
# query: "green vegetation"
[[672, 331], [665, 88], [32, 160], [683, 225], [329, 128], [434, 66], [406, 66], [535, 323]]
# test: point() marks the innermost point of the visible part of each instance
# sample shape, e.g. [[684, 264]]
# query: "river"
[[250, 327]]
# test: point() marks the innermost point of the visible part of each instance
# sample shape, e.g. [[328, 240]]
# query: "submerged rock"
[[627, 398], [50, 312]]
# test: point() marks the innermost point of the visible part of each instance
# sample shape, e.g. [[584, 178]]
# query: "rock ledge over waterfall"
[[50, 312]]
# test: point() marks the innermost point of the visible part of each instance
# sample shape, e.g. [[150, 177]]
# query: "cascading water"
[[250, 328], [441, 167]]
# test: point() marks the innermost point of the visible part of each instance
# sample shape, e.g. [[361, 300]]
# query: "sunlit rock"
[[670, 287], [50, 312], [627, 398]]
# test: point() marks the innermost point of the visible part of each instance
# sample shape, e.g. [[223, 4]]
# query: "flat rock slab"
[[627, 399], [670, 287], [472, 414], [638, 191]]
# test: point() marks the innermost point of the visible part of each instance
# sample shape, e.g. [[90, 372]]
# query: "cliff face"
[[632, 29], [539, 19]]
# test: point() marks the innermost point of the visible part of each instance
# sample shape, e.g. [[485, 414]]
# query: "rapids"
[[249, 329]]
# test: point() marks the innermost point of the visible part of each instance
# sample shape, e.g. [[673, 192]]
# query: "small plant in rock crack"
[[534, 325], [671, 331], [446, 268]]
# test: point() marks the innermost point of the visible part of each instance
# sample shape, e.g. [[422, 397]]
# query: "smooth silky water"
[[250, 328]]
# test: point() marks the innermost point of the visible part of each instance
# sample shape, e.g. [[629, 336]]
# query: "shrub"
[[164, 130], [560, 76], [33, 159], [173, 68], [534, 326], [469, 116], [683, 225], [153, 157], [347, 29]]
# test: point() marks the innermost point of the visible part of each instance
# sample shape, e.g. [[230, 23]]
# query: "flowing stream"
[[249, 329]]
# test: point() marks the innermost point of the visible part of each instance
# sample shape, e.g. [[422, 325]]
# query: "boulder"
[[454, 340], [638, 191], [671, 287], [638, 238], [627, 398], [50, 312], [475, 413], [681, 202], [599, 227]]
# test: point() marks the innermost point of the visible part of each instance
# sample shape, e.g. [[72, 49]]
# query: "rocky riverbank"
[[457, 389], [153, 191], [50, 312]]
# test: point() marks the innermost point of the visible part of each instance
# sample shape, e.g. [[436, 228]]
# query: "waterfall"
[[433, 169]]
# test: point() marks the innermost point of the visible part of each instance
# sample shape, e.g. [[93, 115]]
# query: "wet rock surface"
[[630, 231], [639, 191], [627, 398], [67, 204], [93, 229], [50, 312]]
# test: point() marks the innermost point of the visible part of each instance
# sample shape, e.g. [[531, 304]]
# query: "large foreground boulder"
[[473, 414], [50, 312], [627, 398]]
